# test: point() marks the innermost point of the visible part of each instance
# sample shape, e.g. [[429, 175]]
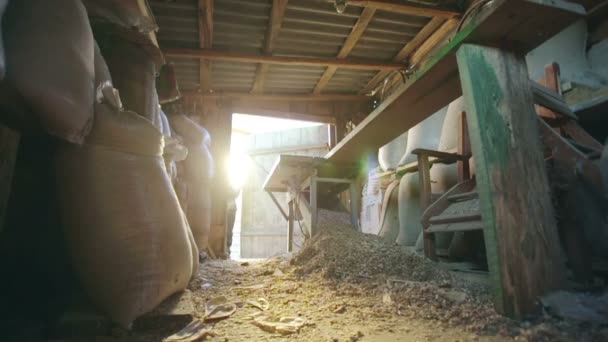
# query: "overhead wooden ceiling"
[[294, 46], [299, 47]]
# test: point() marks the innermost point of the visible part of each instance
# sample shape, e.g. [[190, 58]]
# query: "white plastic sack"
[[390, 154], [194, 173], [50, 61], [128, 237]]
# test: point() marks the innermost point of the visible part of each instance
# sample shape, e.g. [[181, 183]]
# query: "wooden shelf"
[[519, 24]]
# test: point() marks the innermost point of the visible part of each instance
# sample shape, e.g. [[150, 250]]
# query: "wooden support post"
[[354, 205], [217, 119], [313, 206], [464, 148], [424, 177], [520, 231], [290, 224], [9, 145]]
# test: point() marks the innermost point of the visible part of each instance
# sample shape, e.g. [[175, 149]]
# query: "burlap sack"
[[50, 61], [128, 237]]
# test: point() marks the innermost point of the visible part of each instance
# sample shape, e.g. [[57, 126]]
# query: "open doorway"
[[259, 229]]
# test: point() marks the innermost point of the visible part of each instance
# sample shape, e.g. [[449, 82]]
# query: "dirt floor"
[[347, 286]]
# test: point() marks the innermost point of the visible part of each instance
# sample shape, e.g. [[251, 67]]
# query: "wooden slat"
[[294, 97], [551, 100], [274, 25], [463, 197], [522, 244], [433, 41], [9, 147], [349, 44], [424, 179], [407, 49], [276, 202], [444, 219], [290, 225], [205, 36], [435, 84], [401, 7], [280, 60], [455, 227]]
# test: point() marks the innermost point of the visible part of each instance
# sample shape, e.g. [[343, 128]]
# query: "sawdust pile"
[[339, 251], [405, 284]]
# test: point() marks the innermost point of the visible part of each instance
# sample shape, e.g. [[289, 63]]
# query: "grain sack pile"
[[127, 235], [195, 174], [61, 96]]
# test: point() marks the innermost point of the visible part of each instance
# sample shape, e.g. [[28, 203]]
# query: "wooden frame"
[[522, 244], [214, 55], [354, 201]]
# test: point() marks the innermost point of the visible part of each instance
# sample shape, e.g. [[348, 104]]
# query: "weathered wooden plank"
[[433, 41], [280, 60], [401, 7], [522, 244], [314, 214], [9, 145], [354, 205], [435, 83], [276, 202], [290, 224], [216, 117], [464, 148], [407, 49], [424, 178]]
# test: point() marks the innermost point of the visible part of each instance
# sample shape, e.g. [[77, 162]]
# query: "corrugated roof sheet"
[[310, 28], [386, 35]]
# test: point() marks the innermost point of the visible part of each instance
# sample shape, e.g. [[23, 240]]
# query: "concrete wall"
[[263, 228]]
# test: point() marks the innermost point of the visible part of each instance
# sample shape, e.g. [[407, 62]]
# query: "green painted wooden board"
[[520, 231], [524, 24]]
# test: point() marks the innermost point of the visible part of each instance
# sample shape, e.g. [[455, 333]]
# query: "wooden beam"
[[290, 225], [205, 36], [280, 60], [433, 41], [401, 7], [274, 25], [430, 44], [407, 49], [216, 117], [436, 83], [294, 97], [522, 244], [9, 147], [349, 44], [306, 108]]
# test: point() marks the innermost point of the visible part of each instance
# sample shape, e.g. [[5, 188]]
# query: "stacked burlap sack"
[[128, 238], [194, 177]]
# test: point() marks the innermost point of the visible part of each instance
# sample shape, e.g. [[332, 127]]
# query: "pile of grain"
[[338, 250]]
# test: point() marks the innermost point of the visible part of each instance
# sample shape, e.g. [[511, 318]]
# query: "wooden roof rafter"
[[205, 34], [210, 54], [404, 8], [429, 45], [427, 31], [274, 26], [349, 44]]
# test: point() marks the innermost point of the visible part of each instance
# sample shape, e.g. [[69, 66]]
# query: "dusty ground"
[[353, 287], [332, 285]]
